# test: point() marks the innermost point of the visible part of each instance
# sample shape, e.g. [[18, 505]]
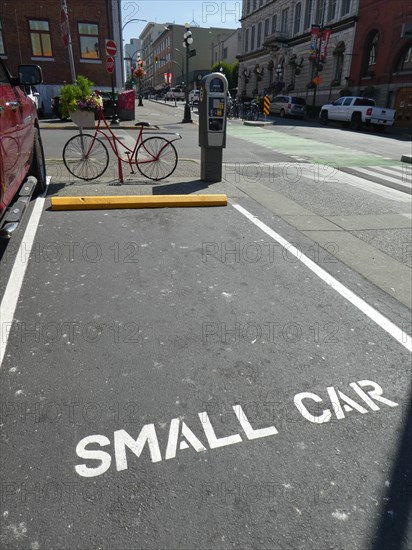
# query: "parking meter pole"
[[211, 164], [212, 125]]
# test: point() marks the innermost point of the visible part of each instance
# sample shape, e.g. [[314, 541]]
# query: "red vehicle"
[[21, 149]]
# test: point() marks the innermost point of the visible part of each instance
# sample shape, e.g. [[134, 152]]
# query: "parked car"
[[175, 94], [357, 111], [107, 105], [21, 149], [287, 105], [33, 94], [194, 96]]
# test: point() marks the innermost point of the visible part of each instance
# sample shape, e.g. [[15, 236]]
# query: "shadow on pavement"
[[392, 529], [184, 188]]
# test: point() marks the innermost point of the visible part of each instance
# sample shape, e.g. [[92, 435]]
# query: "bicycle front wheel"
[[86, 157], [156, 158]]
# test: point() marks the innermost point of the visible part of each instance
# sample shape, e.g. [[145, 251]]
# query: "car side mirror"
[[30, 75]]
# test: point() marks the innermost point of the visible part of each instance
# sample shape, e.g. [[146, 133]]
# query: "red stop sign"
[[110, 65], [64, 25], [111, 48]]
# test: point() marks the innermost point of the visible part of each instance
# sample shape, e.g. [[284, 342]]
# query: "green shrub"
[[70, 94]]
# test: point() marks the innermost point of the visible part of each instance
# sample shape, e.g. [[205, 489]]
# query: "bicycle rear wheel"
[[156, 158], [86, 157]]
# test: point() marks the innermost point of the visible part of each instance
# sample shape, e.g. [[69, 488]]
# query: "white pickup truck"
[[175, 94], [357, 111]]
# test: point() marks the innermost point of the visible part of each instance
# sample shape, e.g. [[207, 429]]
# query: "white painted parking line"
[[397, 333], [13, 288]]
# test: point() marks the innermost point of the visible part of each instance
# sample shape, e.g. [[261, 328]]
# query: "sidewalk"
[[142, 114]]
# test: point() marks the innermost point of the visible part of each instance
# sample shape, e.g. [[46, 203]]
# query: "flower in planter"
[[79, 97], [139, 73], [90, 103]]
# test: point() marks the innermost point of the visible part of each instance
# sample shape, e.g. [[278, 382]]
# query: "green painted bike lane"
[[308, 149]]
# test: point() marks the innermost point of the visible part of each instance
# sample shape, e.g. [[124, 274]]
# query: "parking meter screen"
[[216, 125], [216, 85]]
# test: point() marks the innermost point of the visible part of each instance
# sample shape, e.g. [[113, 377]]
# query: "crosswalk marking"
[[397, 176]]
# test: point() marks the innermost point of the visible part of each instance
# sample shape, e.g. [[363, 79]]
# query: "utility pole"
[[67, 37]]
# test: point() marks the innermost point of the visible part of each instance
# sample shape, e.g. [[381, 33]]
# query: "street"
[[221, 377]]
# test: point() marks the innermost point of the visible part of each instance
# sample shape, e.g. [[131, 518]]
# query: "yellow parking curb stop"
[[136, 201]]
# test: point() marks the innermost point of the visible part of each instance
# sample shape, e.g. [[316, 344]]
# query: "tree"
[[230, 71]]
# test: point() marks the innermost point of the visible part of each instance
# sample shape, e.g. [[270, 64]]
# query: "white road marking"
[[377, 174], [397, 333], [15, 282]]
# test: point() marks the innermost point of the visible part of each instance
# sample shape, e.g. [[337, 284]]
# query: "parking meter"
[[212, 125]]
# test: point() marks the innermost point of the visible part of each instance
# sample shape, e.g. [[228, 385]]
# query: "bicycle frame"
[[114, 141]]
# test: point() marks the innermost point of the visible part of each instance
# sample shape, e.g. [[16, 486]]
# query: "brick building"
[[30, 32], [382, 55]]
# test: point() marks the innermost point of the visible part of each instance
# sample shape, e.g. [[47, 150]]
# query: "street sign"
[[192, 53], [111, 48], [64, 25], [266, 105], [110, 65]]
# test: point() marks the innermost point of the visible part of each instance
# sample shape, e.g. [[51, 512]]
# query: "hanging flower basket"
[[82, 119]]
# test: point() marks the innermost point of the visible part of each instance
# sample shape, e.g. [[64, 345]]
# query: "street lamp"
[[181, 67], [131, 21], [187, 41], [123, 27]]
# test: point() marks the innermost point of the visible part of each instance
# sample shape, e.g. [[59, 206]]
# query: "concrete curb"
[[136, 201], [258, 123]]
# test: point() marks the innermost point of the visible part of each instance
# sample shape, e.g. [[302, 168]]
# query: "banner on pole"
[[324, 44], [314, 34]]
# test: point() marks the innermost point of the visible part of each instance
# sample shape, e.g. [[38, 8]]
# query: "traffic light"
[[156, 59]]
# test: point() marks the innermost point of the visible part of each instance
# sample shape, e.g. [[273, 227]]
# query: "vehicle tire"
[[324, 117], [282, 113], [38, 164], [356, 122], [156, 158], [85, 157]]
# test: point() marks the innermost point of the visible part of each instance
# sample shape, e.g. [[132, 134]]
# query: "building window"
[[254, 5], [89, 40], [345, 8], [224, 54], [266, 27], [274, 24], [298, 14], [338, 63], [405, 60], [371, 53], [252, 40], [331, 10], [308, 14], [284, 23], [259, 36], [247, 40], [320, 12], [40, 38]]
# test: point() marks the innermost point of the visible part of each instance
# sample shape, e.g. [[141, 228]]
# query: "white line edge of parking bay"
[[15, 282], [397, 333]]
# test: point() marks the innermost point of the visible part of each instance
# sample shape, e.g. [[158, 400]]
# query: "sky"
[[206, 13]]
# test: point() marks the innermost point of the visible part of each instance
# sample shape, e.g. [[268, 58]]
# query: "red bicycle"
[[87, 158]]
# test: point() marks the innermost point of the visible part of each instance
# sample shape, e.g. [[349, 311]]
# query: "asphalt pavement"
[[224, 377]]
